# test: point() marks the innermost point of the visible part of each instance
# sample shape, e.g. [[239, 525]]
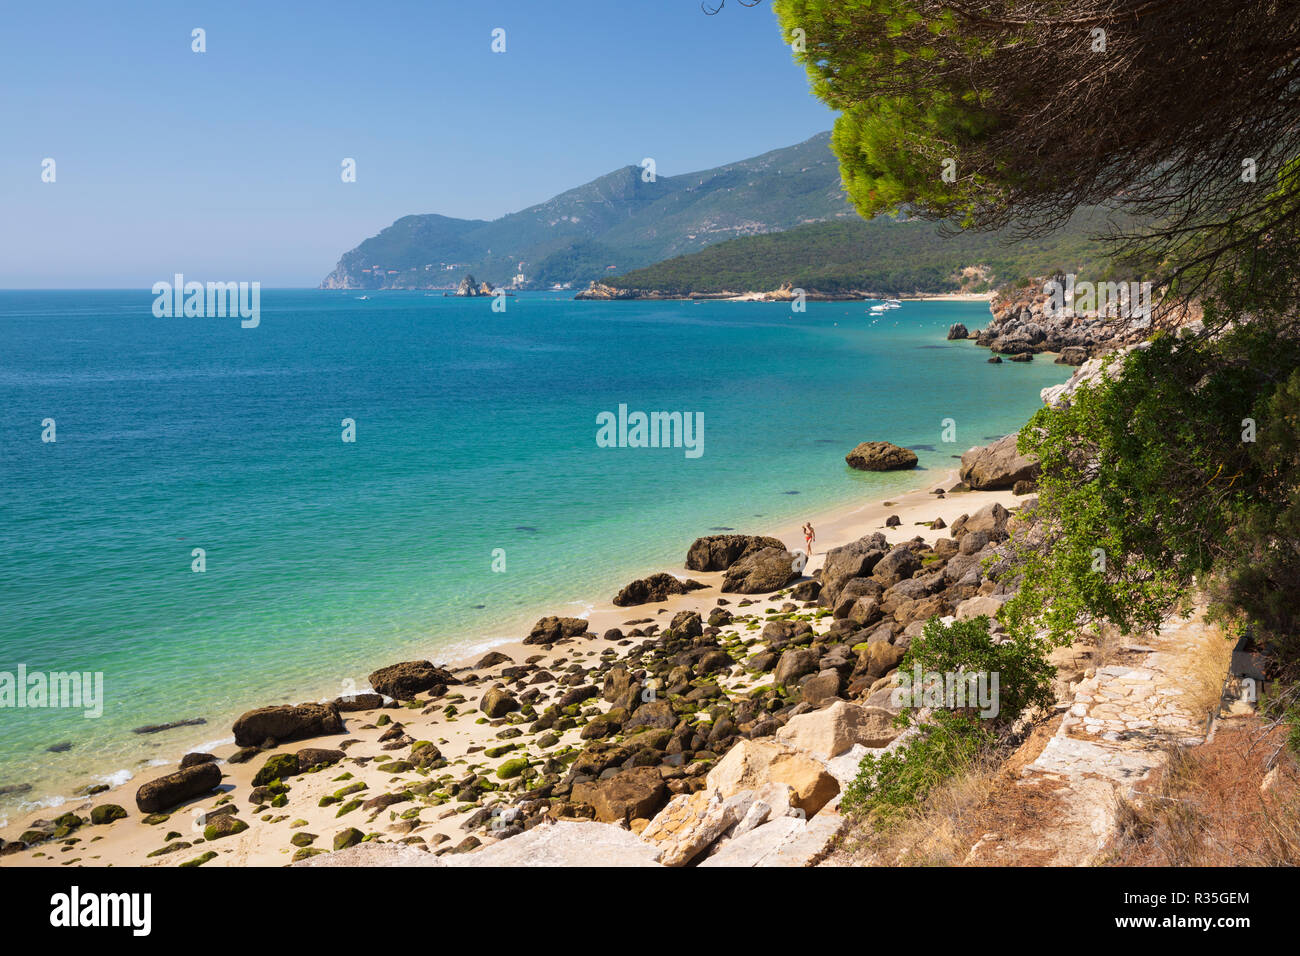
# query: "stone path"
[[1123, 720]]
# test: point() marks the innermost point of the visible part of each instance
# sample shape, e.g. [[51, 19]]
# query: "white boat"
[[879, 308]]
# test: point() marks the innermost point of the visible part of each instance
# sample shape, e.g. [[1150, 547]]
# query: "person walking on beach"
[[809, 536]]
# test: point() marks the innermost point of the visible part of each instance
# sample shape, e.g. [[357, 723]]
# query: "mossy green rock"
[[303, 839], [512, 768], [107, 813], [200, 860], [171, 848], [349, 837], [276, 768], [224, 826]]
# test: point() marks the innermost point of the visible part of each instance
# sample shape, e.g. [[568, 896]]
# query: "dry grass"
[[1206, 808], [955, 814], [1203, 680], [937, 835]]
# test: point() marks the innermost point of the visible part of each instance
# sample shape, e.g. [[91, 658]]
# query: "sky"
[[226, 165]]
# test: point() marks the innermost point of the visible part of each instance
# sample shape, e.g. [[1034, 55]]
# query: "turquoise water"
[[475, 431]]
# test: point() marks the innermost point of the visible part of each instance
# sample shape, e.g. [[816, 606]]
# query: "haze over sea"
[[475, 431]]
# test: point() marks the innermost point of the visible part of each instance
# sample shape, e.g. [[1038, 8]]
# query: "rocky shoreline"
[[715, 723], [1024, 324]]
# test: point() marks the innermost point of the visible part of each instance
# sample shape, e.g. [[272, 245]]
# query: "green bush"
[[892, 784], [1024, 676]]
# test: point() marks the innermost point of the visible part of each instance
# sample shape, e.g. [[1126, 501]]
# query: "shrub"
[[892, 784], [966, 647]]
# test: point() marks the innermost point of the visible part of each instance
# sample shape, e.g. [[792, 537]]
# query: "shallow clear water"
[[475, 431]]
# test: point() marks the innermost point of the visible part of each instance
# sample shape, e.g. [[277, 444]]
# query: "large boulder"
[[760, 572], [287, 722], [175, 788], [316, 756], [899, 564], [824, 686], [832, 730], [657, 587], [691, 822], [652, 715], [996, 466], [880, 456], [958, 331], [717, 552], [551, 629], [849, 561], [982, 605], [624, 797], [989, 522], [752, 763], [498, 702], [403, 681], [793, 664], [355, 702]]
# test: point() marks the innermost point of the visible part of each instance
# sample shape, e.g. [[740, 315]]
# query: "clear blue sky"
[[225, 165]]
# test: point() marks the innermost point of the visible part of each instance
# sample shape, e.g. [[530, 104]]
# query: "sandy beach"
[[951, 297], [460, 731]]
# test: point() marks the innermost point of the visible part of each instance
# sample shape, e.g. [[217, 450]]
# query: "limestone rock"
[[998, 465], [832, 730], [690, 823], [751, 763]]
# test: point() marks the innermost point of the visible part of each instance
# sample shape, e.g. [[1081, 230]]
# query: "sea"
[[202, 518]]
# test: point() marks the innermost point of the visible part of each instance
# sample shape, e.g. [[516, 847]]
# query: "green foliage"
[[892, 784], [1151, 486], [901, 112], [967, 647], [883, 255]]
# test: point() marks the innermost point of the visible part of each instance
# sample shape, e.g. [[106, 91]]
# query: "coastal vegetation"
[[950, 739], [1176, 472], [888, 255]]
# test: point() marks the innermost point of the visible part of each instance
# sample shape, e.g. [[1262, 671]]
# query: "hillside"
[[611, 225], [884, 255]]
